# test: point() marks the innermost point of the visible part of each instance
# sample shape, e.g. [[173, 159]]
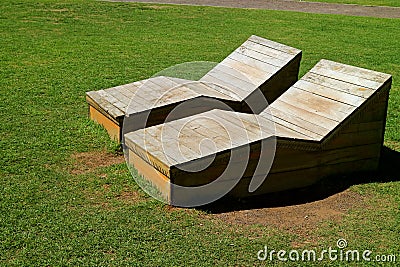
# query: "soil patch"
[[301, 219], [90, 161]]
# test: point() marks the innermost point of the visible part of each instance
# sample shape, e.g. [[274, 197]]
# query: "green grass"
[[52, 52], [394, 3]]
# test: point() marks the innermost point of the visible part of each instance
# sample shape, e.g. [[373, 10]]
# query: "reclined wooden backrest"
[[257, 64]]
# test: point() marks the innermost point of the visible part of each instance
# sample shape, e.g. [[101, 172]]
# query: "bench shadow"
[[387, 172]]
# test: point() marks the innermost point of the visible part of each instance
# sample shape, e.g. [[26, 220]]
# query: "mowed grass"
[[52, 52], [393, 3]]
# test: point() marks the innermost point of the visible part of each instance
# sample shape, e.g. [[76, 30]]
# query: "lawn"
[[394, 3], [61, 205]]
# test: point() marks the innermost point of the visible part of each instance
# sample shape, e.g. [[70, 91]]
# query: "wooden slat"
[[355, 127], [296, 121], [106, 102], [254, 62], [226, 86], [239, 134], [120, 96], [179, 144], [250, 122], [355, 71], [116, 99], [306, 134], [318, 69], [275, 57], [255, 75], [338, 85], [293, 109], [207, 89], [275, 45], [317, 104], [330, 93], [349, 139], [231, 76], [270, 64]]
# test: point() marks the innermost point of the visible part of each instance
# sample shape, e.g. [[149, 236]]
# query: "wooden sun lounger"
[[257, 64], [331, 121]]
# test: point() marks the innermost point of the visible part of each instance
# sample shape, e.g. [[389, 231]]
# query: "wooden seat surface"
[[331, 121]]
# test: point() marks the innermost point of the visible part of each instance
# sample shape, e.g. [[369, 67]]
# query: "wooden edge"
[[275, 45], [151, 175], [113, 129], [94, 104], [376, 95]]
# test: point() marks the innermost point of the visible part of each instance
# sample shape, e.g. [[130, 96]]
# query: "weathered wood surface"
[[331, 121], [257, 63]]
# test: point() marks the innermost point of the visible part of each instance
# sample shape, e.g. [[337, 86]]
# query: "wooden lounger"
[[257, 64], [331, 121]]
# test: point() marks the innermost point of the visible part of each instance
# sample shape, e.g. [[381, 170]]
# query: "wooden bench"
[[258, 65], [331, 121]]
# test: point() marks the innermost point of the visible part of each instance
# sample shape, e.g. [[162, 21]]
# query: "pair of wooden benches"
[[331, 121]]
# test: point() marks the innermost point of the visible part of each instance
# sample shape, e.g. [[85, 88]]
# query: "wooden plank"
[[111, 99], [235, 89], [276, 182], [231, 76], [270, 59], [112, 128], [200, 127], [354, 127], [243, 127], [258, 127], [275, 45], [255, 75], [174, 143], [355, 71], [306, 134], [254, 62], [323, 106], [351, 153], [105, 104], [312, 129], [275, 57], [338, 85], [349, 78], [248, 55], [293, 109], [206, 89], [330, 93], [151, 148], [355, 139], [120, 96], [160, 181], [214, 85]]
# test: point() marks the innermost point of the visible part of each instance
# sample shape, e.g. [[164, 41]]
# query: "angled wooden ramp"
[[331, 121], [257, 66]]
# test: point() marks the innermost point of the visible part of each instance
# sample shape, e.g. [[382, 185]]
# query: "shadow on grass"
[[388, 171]]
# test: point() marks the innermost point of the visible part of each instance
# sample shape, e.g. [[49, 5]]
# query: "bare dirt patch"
[[289, 5], [129, 197], [300, 219], [90, 161]]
